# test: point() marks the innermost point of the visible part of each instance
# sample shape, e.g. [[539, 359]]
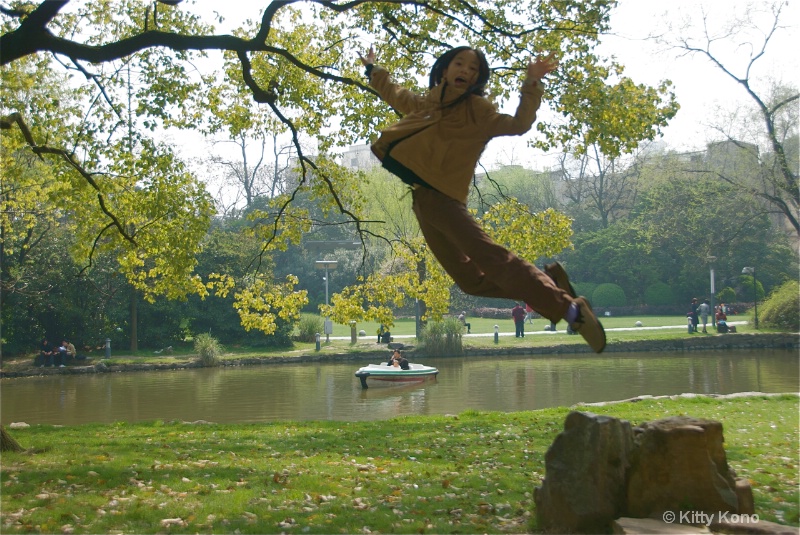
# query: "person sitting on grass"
[[68, 352], [46, 353], [463, 319], [384, 335]]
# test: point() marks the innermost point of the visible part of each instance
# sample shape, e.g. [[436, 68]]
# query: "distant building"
[[359, 157], [733, 156]]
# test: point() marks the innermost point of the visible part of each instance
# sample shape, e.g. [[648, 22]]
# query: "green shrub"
[[208, 349], [585, 288], [781, 310], [726, 295], [659, 293], [309, 326], [609, 295], [746, 288], [443, 337]]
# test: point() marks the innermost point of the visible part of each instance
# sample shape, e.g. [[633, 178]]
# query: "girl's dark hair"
[[437, 71]]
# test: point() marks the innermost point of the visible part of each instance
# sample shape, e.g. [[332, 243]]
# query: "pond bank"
[[707, 343]]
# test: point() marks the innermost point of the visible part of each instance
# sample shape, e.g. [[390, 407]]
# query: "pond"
[[330, 391]]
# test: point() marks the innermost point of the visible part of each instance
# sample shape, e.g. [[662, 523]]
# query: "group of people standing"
[[701, 312]]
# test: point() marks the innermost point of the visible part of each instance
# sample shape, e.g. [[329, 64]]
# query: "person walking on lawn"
[[518, 313]]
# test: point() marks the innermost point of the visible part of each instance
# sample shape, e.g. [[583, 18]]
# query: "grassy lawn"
[[535, 335], [469, 473], [405, 326]]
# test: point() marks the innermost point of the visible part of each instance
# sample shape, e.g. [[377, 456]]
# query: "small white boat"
[[383, 375]]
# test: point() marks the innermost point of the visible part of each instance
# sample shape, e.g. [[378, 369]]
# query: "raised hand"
[[542, 66], [369, 59]]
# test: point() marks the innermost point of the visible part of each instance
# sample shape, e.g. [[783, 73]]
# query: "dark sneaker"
[[588, 326], [559, 276]]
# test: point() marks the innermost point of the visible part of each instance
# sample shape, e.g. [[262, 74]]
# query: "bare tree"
[[605, 186], [776, 105], [245, 176]]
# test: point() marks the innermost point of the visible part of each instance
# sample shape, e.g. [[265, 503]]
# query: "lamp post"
[[326, 265], [752, 271], [711, 259]]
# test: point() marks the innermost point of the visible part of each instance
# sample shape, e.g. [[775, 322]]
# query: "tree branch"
[[7, 122]]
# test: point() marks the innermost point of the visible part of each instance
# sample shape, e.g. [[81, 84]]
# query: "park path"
[[548, 333]]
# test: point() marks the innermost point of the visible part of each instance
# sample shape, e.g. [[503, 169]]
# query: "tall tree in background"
[[124, 193], [259, 163], [603, 189], [770, 134]]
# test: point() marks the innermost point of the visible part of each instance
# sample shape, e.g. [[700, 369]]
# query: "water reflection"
[[331, 392]]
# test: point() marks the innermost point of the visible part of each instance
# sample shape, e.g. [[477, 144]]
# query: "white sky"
[[701, 89]]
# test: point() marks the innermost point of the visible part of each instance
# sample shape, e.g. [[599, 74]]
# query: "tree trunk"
[[7, 443], [134, 322]]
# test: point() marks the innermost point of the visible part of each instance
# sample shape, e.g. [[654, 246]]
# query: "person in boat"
[[398, 360]]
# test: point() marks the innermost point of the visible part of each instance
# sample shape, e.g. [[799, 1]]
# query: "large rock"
[[679, 464], [584, 485], [744, 494]]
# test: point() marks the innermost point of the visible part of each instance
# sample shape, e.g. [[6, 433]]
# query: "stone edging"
[[687, 396]]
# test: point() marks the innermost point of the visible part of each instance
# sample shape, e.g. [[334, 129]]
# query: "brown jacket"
[[442, 147]]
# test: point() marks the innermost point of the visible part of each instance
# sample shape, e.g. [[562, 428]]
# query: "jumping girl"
[[434, 149]]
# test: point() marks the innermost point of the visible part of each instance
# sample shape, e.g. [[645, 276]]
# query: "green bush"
[[659, 293], [746, 287], [726, 295], [208, 349], [443, 337], [309, 326], [781, 310], [585, 288], [609, 295]]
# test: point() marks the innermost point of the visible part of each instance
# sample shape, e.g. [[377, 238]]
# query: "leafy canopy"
[[137, 65]]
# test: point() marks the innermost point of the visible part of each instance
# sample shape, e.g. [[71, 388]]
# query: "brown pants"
[[476, 263]]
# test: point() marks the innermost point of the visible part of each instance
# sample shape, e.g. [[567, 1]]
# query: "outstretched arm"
[[398, 97], [500, 124]]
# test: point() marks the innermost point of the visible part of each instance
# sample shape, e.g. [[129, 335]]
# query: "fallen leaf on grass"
[[251, 517], [167, 522], [360, 504], [287, 523], [485, 508]]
